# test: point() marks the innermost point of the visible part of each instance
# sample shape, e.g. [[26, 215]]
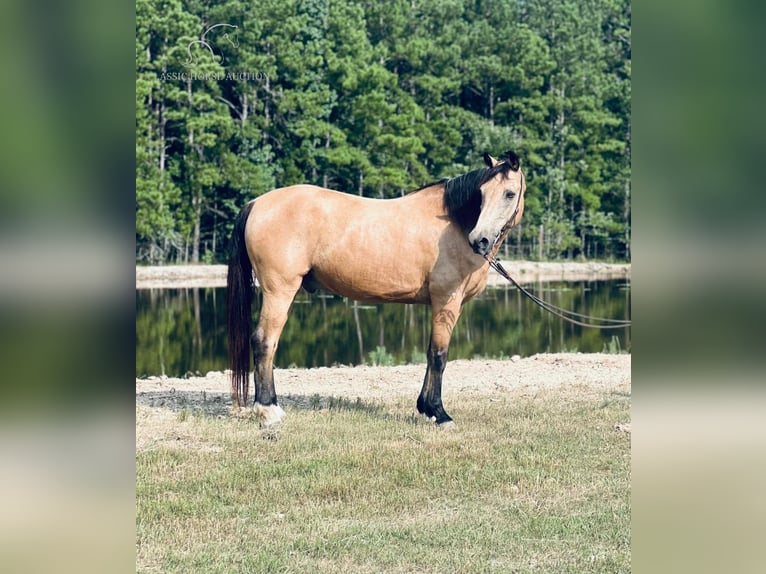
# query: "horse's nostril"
[[481, 246]]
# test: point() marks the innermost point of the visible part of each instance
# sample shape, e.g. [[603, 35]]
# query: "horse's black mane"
[[462, 197]]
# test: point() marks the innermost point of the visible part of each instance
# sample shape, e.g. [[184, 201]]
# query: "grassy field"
[[532, 484]]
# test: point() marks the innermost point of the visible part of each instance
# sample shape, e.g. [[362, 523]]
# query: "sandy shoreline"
[[569, 375], [526, 272]]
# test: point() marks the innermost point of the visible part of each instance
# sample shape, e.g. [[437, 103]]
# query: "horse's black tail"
[[240, 286]]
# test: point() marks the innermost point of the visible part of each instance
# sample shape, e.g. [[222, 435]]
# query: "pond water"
[[182, 332]]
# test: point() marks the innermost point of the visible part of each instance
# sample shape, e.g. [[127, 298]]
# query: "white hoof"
[[270, 415], [447, 425]]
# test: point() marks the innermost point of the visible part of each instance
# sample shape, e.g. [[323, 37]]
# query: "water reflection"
[[183, 331]]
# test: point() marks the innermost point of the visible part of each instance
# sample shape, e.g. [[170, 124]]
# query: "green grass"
[[532, 485], [613, 347], [380, 357]]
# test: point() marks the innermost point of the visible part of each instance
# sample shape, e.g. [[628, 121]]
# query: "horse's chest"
[[475, 285]]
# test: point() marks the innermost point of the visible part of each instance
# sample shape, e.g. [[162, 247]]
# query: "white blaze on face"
[[501, 197]]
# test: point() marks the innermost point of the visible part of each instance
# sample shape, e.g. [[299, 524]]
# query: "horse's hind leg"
[[444, 316], [264, 342]]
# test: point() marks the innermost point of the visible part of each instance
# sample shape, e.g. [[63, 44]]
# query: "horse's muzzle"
[[481, 246]]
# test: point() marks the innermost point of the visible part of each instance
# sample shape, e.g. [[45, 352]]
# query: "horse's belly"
[[373, 285]]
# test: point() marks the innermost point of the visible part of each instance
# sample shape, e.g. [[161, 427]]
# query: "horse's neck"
[[431, 198]]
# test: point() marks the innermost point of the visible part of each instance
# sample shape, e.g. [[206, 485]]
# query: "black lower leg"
[[262, 372], [430, 399]]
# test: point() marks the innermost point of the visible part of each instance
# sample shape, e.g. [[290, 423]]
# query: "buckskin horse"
[[428, 247]]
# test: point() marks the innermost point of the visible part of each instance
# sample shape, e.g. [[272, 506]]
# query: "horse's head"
[[502, 203]]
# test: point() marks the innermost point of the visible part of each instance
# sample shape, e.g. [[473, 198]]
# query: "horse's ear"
[[513, 160], [490, 161]]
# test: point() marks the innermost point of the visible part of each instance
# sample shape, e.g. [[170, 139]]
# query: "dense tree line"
[[234, 98]]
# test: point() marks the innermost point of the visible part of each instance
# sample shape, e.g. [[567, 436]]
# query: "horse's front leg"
[[444, 316]]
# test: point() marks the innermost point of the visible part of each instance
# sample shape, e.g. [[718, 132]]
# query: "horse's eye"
[[510, 194]]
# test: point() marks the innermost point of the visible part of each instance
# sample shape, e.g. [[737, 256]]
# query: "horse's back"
[[304, 215], [367, 249]]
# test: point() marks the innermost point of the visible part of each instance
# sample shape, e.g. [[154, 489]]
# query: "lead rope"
[[558, 311]]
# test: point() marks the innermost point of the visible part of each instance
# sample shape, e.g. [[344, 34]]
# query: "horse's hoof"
[[447, 425], [269, 415]]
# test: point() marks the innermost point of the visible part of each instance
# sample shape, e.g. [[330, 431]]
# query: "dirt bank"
[[577, 374], [524, 271]]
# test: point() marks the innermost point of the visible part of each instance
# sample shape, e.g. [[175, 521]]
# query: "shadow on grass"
[[219, 404], [317, 402]]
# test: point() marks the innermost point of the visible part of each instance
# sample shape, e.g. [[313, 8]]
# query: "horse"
[[427, 247]]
